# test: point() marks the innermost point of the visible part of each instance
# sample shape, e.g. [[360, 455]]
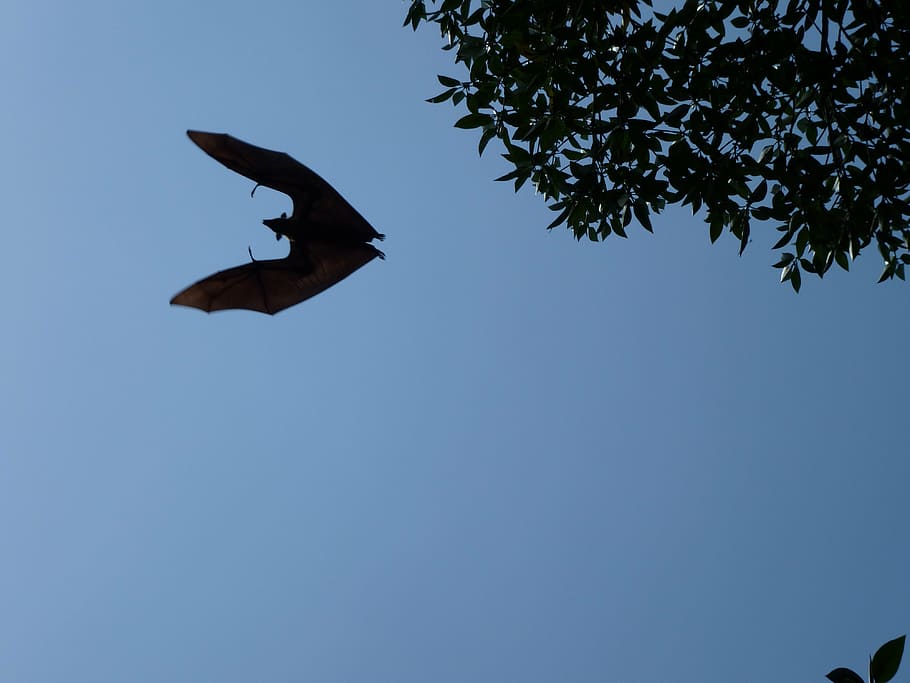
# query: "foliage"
[[791, 112], [883, 665]]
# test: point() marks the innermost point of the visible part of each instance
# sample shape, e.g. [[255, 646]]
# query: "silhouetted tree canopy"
[[792, 114]]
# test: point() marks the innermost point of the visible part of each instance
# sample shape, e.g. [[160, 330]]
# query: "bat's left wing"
[[315, 201], [271, 286]]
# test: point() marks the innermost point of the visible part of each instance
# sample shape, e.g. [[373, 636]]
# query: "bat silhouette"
[[329, 239]]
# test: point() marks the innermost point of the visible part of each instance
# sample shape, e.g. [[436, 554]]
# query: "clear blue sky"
[[499, 455]]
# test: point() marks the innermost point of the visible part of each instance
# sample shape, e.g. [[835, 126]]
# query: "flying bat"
[[329, 238]]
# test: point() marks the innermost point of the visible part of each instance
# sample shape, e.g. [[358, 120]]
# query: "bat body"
[[329, 238]]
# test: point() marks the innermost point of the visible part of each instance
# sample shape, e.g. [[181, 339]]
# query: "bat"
[[329, 238]]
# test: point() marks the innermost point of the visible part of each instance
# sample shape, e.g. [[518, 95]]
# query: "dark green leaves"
[[883, 665], [797, 120]]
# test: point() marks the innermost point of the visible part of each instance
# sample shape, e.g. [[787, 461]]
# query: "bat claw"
[[255, 187], [250, 249]]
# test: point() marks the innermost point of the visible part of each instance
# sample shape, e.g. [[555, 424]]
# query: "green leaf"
[[886, 661], [796, 279], [674, 117], [842, 260], [802, 241], [785, 260], [485, 137], [745, 230], [843, 675], [763, 213], [561, 218], [511, 175], [717, 227], [641, 213], [442, 97], [474, 121], [448, 82], [759, 192]]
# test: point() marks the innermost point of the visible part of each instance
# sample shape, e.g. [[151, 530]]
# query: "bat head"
[[278, 225]]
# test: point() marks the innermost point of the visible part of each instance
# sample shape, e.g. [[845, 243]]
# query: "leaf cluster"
[[793, 113], [883, 665]]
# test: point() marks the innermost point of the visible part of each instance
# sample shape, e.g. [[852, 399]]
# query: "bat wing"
[[315, 201], [273, 285]]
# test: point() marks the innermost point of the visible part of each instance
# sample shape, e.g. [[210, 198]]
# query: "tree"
[[790, 113]]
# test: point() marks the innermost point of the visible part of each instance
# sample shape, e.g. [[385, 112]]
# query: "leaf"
[[561, 218], [448, 81], [641, 213], [802, 241], [759, 192], [511, 175], [843, 675], [474, 121], [763, 213], [785, 260], [485, 137], [717, 227], [842, 260], [886, 661], [744, 236], [673, 118], [442, 97], [783, 241]]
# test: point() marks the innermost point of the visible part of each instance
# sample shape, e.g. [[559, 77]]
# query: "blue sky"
[[499, 455]]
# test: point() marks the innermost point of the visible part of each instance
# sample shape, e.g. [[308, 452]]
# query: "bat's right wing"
[[314, 199], [273, 285]]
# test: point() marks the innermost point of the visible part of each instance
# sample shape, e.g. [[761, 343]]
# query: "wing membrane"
[[315, 201], [273, 285]]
